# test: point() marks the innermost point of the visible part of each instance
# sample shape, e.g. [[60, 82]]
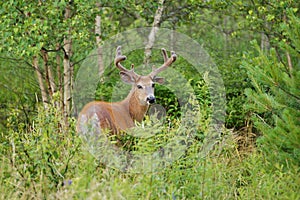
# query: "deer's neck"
[[136, 110]]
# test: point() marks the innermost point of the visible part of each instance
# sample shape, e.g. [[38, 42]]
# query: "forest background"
[[256, 48]]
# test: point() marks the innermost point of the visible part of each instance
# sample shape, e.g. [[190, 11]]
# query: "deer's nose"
[[151, 99]]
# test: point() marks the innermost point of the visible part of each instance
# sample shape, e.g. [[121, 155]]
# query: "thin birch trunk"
[[49, 76], [59, 78], [155, 27], [67, 68], [98, 41], [288, 56], [264, 43], [41, 83], [52, 82], [264, 39], [289, 60], [225, 33]]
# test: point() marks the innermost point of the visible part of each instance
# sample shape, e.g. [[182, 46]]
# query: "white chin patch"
[[144, 103]]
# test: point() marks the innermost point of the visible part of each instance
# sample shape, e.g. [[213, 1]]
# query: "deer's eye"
[[139, 87], [153, 85]]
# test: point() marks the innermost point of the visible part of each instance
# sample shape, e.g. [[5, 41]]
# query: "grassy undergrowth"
[[44, 161]]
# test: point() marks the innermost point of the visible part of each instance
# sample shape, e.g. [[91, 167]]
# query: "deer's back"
[[111, 116]]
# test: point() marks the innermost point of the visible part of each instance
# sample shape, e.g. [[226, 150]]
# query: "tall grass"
[[45, 161]]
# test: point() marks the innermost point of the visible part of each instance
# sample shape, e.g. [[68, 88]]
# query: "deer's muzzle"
[[151, 99]]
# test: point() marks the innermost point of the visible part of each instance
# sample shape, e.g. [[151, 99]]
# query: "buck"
[[119, 116]]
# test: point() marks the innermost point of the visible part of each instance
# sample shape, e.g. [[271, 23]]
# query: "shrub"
[[38, 156], [274, 98]]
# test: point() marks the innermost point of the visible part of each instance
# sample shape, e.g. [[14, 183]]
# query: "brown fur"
[[119, 116]]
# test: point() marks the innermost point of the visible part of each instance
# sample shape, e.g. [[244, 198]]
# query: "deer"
[[117, 117]]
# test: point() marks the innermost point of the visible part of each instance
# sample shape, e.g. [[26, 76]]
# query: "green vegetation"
[[256, 47]]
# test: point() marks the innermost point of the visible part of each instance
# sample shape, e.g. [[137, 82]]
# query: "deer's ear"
[[159, 80], [127, 78]]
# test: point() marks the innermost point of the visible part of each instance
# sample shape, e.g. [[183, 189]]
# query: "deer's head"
[[143, 86]]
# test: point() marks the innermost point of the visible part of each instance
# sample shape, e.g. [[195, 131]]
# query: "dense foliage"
[[255, 46], [275, 98]]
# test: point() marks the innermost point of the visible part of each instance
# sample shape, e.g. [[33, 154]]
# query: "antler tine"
[[119, 58], [167, 62], [165, 55]]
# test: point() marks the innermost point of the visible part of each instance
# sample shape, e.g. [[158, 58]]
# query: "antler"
[[167, 62], [119, 58]]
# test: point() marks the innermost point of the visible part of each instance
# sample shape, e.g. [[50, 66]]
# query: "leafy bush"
[[38, 155], [235, 80]]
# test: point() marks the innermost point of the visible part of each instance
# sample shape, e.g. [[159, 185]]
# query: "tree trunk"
[[264, 43], [41, 83], [59, 78], [49, 77], [264, 39], [155, 27], [225, 34], [67, 68], [289, 60], [288, 56], [98, 41]]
